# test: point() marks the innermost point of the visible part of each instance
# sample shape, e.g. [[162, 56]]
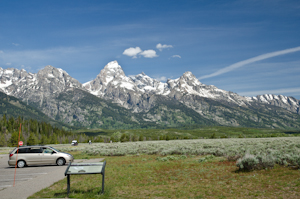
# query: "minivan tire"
[[60, 161], [21, 164]]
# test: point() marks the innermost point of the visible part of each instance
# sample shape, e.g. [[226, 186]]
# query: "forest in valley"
[[34, 132]]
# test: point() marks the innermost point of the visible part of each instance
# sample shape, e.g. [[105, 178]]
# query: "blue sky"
[[223, 43]]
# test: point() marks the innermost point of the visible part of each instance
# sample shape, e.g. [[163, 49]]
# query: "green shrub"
[[265, 161], [251, 162], [233, 157], [206, 158], [248, 162], [167, 158], [162, 159]]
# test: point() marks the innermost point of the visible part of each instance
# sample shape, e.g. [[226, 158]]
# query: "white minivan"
[[38, 155]]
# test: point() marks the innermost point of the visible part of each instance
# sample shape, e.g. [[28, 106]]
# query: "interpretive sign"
[[85, 168]]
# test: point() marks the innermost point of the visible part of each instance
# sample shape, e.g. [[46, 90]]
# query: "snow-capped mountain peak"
[[289, 103], [189, 77], [11, 77], [113, 65], [135, 92], [57, 77], [49, 81], [113, 84], [148, 84], [110, 72], [110, 77]]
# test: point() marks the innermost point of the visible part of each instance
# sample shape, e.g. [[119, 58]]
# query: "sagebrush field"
[[207, 168]]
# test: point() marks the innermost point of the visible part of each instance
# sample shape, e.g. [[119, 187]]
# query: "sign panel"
[[85, 168], [21, 143]]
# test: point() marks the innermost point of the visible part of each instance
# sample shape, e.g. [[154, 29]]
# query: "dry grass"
[[6, 150], [145, 177]]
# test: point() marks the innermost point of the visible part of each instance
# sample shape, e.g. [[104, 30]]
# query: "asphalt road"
[[29, 180]]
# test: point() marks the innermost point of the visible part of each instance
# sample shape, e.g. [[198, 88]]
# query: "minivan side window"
[[35, 150], [46, 150]]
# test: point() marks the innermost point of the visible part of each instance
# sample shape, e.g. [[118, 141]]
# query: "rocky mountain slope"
[[138, 92], [36, 88], [288, 103], [114, 100], [13, 107]]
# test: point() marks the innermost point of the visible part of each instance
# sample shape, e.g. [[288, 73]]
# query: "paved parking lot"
[[28, 173], [29, 180]]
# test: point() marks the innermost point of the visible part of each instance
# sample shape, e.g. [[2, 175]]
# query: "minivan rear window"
[[22, 150]]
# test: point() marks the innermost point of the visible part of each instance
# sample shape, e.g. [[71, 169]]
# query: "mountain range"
[[114, 100]]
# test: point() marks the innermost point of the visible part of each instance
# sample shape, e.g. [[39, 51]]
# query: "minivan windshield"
[[54, 149]]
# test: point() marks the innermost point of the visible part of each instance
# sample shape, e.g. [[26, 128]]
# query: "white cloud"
[[1, 51], [251, 60], [149, 53], [161, 79], [176, 56], [132, 52], [8, 64], [15, 44], [160, 47]]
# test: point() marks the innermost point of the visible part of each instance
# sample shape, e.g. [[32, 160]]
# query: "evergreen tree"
[[167, 137], [4, 120], [14, 139], [32, 140], [141, 138], [44, 140], [10, 124], [65, 140], [53, 139], [98, 139], [2, 140], [123, 138], [134, 138], [116, 136], [34, 132], [213, 136]]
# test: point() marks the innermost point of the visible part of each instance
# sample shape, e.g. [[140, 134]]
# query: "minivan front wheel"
[[21, 164], [60, 161]]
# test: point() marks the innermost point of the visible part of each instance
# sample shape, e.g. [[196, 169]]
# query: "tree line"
[[34, 132]]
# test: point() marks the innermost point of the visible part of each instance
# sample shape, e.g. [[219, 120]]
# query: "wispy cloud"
[[176, 56], [15, 44], [160, 47], [290, 91], [251, 60]]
